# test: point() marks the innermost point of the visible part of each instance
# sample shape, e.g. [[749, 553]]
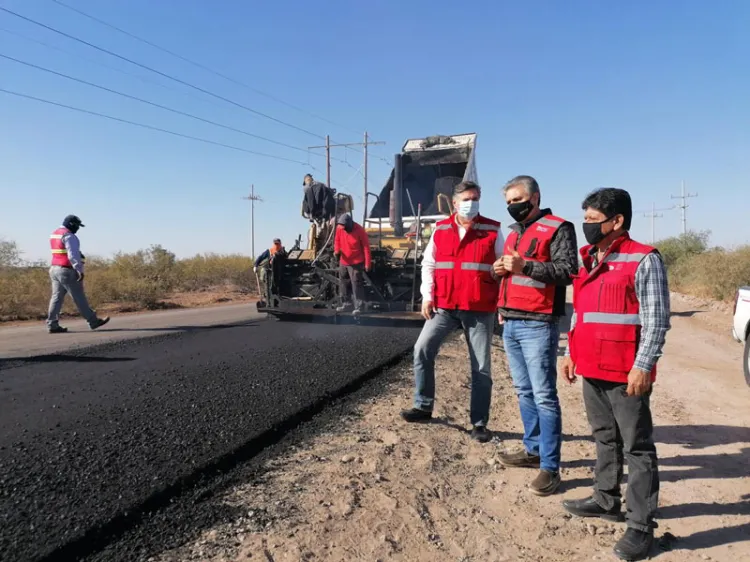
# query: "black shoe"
[[589, 508], [634, 545], [99, 322], [57, 330], [416, 415], [481, 433]]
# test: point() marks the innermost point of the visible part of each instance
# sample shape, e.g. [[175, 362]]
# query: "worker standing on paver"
[[351, 246], [618, 331], [459, 291], [539, 259], [66, 273]]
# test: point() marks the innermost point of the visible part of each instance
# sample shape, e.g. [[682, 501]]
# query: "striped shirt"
[[652, 291]]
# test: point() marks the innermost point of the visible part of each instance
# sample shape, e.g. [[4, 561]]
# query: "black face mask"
[[520, 211], [593, 231]]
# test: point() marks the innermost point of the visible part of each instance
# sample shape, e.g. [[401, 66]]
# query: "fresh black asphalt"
[[87, 437]]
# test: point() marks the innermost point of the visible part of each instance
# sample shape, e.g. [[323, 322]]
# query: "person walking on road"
[[618, 331], [351, 246], [66, 273], [539, 259], [459, 291]]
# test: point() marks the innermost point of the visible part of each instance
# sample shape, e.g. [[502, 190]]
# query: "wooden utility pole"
[[252, 198], [653, 215], [683, 197], [328, 146]]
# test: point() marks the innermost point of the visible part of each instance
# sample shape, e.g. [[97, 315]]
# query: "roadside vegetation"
[[154, 278], [696, 269]]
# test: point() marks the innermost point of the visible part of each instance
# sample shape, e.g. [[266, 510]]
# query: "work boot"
[[416, 415], [589, 508], [481, 434], [634, 545], [99, 322], [57, 330], [519, 459], [546, 483]]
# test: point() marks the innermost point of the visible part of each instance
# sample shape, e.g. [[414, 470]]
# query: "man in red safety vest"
[[621, 318], [459, 291], [538, 262], [66, 274]]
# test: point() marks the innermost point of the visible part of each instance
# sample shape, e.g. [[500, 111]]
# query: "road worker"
[[619, 326], [265, 263], [538, 261], [66, 273], [459, 291], [352, 248]]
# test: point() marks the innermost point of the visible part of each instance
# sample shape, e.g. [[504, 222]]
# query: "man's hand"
[[368, 268], [427, 309], [79, 276], [514, 263], [569, 370], [639, 382], [499, 268]]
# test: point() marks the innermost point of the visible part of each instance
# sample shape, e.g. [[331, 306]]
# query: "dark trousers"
[[622, 424], [355, 274]]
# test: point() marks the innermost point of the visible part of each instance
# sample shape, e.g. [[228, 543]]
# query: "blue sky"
[[579, 94]]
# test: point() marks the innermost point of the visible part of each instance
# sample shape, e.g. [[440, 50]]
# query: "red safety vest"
[[59, 252], [463, 267], [604, 340], [519, 292]]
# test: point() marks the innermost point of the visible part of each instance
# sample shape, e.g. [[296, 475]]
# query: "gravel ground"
[[87, 437]]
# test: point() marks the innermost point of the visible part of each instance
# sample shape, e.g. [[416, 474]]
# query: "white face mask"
[[468, 209]]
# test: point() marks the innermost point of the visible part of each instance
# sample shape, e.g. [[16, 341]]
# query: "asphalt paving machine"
[[417, 194]]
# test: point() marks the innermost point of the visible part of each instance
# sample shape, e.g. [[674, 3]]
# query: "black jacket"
[[558, 271]]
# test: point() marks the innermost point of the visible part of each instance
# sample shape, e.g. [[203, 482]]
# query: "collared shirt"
[[73, 245], [428, 260], [652, 292]]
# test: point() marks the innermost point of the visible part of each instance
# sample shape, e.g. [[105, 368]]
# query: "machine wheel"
[[747, 361]]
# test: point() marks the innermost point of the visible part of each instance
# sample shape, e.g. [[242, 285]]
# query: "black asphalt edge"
[[7, 363], [97, 538]]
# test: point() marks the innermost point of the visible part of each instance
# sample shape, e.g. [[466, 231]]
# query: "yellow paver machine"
[[303, 285]]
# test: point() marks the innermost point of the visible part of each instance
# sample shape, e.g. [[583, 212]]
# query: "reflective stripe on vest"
[[476, 226], [524, 281], [468, 266], [624, 258], [611, 318], [547, 221]]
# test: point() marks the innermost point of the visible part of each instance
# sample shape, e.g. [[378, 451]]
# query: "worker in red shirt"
[[351, 247]]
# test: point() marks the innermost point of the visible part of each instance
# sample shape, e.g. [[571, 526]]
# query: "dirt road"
[[375, 488]]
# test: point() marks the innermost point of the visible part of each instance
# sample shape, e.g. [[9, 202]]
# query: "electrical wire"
[[164, 107], [150, 127], [199, 65], [160, 73]]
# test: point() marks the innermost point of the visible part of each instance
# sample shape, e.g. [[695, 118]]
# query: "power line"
[[141, 100], [150, 127], [252, 198], [653, 215], [160, 73], [197, 64], [683, 197]]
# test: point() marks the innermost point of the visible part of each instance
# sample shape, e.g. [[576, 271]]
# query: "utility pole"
[[683, 197], [367, 142], [252, 198], [653, 215]]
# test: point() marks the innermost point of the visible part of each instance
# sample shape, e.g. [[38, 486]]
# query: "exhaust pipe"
[[398, 196]]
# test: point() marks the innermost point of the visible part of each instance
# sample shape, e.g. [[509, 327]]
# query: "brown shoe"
[[545, 483], [519, 459]]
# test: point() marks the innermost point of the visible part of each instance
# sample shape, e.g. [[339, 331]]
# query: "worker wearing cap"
[[265, 262], [459, 291], [351, 246], [66, 274]]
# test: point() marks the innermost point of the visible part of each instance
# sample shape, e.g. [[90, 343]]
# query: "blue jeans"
[[531, 348], [477, 327]]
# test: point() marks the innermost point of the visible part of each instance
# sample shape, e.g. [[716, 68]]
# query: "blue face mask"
[[468, 209]]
